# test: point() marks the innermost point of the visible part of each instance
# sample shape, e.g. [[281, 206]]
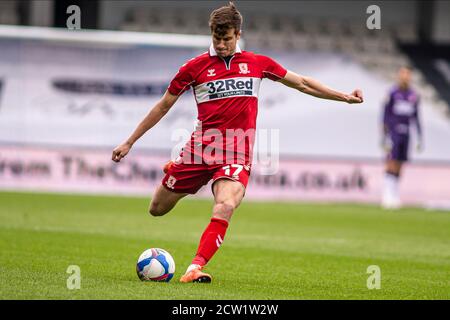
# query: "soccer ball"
[[155, 265]]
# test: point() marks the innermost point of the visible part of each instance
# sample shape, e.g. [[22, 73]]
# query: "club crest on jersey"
[[243, 67], [211, 73]]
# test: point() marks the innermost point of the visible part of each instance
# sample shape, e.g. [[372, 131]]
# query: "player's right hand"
[[386, 144], [386, 147], [355, 97], [419, 146], [120, 152]]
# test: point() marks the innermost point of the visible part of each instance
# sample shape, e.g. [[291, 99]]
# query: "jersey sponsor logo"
[[211, 73], [403, 108], [227, 88]]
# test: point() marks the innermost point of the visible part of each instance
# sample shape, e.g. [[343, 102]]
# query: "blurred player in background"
[[401, 109], [226, 83]]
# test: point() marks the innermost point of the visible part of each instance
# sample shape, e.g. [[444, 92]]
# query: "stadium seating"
[[8, 12], [375, 50]]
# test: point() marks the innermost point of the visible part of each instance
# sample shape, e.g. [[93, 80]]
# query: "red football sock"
[[210, 241]]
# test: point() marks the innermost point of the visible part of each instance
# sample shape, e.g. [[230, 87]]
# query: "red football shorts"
[[189, 178]]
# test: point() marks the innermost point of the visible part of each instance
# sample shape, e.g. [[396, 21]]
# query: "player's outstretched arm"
[[315, 88], [152, 118]]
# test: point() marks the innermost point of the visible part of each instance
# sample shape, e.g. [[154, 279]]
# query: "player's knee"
[[224, 210], [156, 209]]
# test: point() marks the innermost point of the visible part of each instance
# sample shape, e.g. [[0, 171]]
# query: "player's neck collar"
[[403, 89], [212, 51]]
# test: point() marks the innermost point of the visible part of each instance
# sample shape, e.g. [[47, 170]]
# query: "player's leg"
[[394, 166], [394, 162], [228, 194], [179, 181], [164, 200], [391, 182]]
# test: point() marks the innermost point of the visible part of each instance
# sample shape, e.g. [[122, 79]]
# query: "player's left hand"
[[355, 97], [386, 144]]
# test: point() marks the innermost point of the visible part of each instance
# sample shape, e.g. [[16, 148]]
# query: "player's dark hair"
[[225, 18]]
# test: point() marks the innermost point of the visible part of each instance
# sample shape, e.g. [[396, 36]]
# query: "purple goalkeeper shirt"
[[400, 110]]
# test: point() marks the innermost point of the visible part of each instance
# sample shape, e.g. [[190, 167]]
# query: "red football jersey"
[[226, 92]]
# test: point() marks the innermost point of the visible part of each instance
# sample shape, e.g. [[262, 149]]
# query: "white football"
[[155, 264]]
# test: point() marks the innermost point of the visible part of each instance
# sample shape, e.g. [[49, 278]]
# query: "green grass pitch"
[[271, 251]]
